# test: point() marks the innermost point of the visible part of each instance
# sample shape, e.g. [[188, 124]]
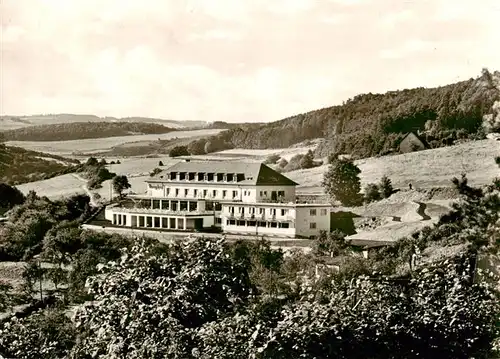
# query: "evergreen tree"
[[385, 187]]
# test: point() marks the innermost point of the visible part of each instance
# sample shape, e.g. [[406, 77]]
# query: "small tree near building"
[[160, 163], [155, 172], [342, 183], [329, 244], [120, 183]]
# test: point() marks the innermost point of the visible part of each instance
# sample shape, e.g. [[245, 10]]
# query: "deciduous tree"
[[342, 183], [120, 183]]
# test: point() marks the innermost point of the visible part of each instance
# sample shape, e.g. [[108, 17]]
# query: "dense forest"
[[374, 124], [18, 165], [89, 294], [82, 130]]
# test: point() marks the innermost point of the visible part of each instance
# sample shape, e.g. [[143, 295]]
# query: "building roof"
[[418, 137], [255, 173]]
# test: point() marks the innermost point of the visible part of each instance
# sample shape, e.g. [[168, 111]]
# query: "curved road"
[[86, 189]]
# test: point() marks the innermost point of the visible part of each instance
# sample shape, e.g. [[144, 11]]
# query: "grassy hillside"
[[424, 169], [18, 165], [373, 124], [83, 130], [13, 122]]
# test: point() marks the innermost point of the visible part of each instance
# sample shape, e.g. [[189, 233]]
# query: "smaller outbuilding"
[[412, 142]]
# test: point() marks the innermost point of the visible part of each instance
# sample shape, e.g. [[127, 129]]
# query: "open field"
[[285, 153], [68, 148], [424, 169], [56, 187]]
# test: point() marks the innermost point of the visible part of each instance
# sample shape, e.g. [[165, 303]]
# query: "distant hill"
[[13, 122], [18, 165], [227, 125], [83, 130], [374, 124]]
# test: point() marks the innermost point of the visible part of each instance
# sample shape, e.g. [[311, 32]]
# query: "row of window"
[[214, 193], [323, 212], [208, 177], [242, 223], [196, 192], [253, 210]]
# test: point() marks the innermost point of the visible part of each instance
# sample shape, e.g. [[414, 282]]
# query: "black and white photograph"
[[249, 179]]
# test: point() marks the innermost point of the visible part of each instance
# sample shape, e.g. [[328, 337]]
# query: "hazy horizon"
[[245, 61]]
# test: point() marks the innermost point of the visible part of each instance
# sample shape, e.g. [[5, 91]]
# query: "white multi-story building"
[[241, 198]]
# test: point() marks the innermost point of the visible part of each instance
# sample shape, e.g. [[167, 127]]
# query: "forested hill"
[[81, 130], [373, 124], [18, 165], [13, 122]]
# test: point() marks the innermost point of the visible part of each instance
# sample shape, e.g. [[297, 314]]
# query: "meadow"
[[423, 169], [93, 145], [56, 187]]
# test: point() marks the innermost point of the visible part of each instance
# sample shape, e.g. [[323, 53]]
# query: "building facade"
[[239, 198]]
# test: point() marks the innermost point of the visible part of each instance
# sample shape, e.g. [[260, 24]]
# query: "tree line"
[[83, 130], [374, 124]]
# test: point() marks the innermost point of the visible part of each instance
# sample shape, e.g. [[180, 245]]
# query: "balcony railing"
[[161, 211]]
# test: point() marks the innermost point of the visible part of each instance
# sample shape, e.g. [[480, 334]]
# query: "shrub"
[[179, 151], [282, 163], [372, 193], [272, 159], [307, 161]]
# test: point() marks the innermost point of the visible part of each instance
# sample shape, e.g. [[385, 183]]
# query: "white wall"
[[280, 232], [248, 194], [267, 209], [208, 221], [304, 220], [190, 187]]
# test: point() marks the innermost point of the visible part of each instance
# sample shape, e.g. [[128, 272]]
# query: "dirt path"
[[421, 211], [86, 189]]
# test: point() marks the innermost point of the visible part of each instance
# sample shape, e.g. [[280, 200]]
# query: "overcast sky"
[[233, 60]]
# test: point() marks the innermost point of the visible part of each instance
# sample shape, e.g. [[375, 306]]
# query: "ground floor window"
[[285, 225], [273, 224], [252, 223], [312, 225], [218, 220], [262, 224]]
